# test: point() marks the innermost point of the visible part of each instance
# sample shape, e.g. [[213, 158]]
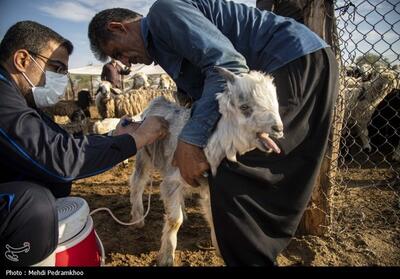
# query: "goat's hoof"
[[165, 261]]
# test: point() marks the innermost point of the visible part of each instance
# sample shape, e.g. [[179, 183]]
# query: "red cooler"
[[77, 243]]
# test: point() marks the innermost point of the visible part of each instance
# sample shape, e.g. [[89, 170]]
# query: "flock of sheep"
[[111, 104], [364, 88]]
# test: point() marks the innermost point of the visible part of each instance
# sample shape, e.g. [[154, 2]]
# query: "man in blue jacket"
[[257, 203], [38, 159]]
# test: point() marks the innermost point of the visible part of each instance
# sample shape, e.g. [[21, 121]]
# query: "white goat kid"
[[249, 116]]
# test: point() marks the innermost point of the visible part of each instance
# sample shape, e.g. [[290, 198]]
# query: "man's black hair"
[[98, 33], [31, 36]]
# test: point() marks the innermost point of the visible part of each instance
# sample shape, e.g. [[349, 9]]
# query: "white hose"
[[103, 252], [124, 223]]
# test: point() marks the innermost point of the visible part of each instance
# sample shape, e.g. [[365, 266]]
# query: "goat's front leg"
[[171, 193]]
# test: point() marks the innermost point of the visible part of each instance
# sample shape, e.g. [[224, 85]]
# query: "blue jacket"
[[188, 37]]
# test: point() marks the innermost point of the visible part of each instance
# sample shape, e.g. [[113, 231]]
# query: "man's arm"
[[189, 33], [42, 151], [123, 71]]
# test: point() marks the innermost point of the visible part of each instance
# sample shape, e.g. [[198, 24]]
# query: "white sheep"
[[155, 82], [249, 116], [162, 81], [105, 100], [140, 80], [363, 97], [166, 82]]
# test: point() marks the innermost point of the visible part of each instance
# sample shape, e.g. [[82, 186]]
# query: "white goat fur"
[[235, 133]]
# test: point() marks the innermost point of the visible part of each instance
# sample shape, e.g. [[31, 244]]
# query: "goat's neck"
[[226, 141], [378, 89]]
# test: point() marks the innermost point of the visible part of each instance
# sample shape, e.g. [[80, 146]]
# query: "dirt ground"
[[366, 231]]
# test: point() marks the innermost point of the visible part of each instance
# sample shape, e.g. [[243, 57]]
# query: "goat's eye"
[[244, 107]]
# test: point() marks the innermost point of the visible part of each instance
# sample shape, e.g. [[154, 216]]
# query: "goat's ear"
[[225, 103], [226, 74]]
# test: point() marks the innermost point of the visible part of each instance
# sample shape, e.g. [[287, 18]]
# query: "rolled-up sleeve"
[[187, 32]]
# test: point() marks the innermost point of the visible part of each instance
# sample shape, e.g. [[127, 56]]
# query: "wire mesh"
[[366, 171]]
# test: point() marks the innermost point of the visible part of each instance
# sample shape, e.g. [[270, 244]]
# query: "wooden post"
[[319, 17], [91, 85], [72, 88]]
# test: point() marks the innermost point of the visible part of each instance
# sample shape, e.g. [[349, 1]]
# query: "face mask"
[[53, 90]]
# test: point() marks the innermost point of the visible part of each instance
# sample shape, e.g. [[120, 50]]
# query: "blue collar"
[[145, 31], [144, 27]]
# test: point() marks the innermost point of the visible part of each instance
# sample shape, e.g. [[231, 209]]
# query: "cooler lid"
[[72, 217]]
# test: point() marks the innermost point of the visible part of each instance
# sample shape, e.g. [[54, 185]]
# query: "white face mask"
[[52, 91]]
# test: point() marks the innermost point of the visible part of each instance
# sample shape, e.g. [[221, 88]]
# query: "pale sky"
[[70, 18], [375, 29]]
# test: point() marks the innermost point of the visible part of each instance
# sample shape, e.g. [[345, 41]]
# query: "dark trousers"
[[258, 202], [28, 223]]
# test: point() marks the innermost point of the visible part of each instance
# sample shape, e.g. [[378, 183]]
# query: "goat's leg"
[[137, 182], [396, 153], [183, 206], [361, 132], [206, 207], [365, 140], [171, 193]]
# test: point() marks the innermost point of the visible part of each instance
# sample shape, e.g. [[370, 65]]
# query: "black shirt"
[[33, 147]]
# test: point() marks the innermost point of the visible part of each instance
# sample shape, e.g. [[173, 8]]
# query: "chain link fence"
[[366, 172]]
